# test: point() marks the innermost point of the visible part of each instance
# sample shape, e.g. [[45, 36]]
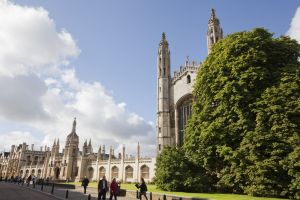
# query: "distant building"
[[174, 93], [72, 164]]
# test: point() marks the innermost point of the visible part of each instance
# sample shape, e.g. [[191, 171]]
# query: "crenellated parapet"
[[193, 66]]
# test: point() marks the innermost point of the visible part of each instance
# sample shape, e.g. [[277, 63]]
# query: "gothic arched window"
[[145, 171], [184, 110], [101, 172], [188, 79], [90, 173], [128, 172], [114, 172]]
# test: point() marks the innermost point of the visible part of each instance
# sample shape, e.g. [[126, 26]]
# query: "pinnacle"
[[163, 39]]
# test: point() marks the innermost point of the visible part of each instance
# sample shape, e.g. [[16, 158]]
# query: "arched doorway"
[[39, 173], [90, 173], [145, 172], [128, 173], [26, 173], [56, 172], [114, 172], [101, 172]]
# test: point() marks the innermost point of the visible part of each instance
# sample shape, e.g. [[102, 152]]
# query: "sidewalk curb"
[[45, 193]]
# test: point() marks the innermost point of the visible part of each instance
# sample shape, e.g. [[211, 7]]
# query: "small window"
[[159, 147], [164, 71], [159, 89], [188, 79], [159, 129]]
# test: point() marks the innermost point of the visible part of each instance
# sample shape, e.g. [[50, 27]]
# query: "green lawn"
[[212, 196]]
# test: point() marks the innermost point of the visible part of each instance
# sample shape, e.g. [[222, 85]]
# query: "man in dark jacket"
[[143, 189], [85, 183], [102, 188]]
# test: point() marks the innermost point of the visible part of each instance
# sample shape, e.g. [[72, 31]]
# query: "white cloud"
[[16, 138], [20, 98], [294, 30], [40, 90], [29, 41]]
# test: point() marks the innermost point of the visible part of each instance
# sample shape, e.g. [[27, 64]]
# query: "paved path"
[[11, 191]]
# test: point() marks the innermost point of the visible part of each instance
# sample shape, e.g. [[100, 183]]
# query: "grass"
[[210, 196]]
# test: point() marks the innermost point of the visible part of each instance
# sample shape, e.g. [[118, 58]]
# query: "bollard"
[[137, 194], [67, 194], [150, 195], [89, 197], [42, 187], [164, 197], [52, 189]]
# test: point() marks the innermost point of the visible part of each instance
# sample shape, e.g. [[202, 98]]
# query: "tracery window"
[[184, 109]]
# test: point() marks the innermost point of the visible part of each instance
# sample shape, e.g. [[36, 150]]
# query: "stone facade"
[[174, 93], [72, 164]]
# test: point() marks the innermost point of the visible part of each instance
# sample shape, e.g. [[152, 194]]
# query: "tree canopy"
[[244, 132]]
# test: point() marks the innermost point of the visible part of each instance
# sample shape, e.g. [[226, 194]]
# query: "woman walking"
[[113, 189]]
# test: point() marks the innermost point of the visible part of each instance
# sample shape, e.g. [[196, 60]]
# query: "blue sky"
[[119, 39], [117, 45]]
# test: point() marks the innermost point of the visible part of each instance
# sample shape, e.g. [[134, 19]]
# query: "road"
[[9, 191]]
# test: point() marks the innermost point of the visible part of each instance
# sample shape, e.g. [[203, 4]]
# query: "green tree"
[[244, 131], [174, 172]]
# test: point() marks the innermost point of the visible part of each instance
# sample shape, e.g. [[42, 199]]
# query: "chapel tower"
[[163, 95], [71, 154], [214, 32]]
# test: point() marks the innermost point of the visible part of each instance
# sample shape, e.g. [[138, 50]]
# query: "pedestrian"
[[143, 188], [102, 188], [85, 183], [113, 189], [29, 179]]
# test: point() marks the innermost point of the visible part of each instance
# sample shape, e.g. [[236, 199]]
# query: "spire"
[[213, 17], [85, 143], [74, 126], [123, 152], [215, 32], [54, 144], [103, 149], [57, 142], [138, 150], [90, 142], [163, 39]]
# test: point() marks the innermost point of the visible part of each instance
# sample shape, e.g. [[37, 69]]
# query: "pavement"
[[12, 191]]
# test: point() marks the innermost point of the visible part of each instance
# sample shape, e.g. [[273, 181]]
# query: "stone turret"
[[71, 153], [214, 32], [163, 128]]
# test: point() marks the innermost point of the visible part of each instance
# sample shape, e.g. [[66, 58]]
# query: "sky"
[[96, 61]]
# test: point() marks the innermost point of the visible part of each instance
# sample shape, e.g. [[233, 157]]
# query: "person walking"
[[102, 188], [113, 189], [85, 183], [29, 179], [143, 188]]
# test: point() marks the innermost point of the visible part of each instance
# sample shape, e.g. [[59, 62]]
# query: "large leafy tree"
[[244, 131], [174, 172]]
